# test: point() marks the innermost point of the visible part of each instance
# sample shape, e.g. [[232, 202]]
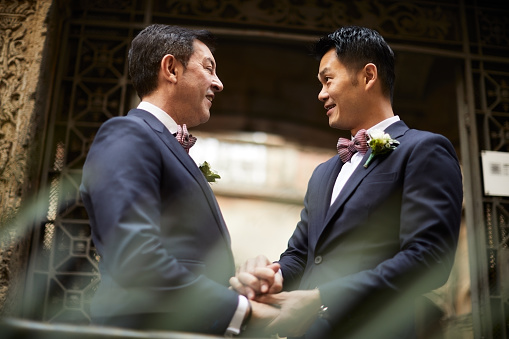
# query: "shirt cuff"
[[238, 317]]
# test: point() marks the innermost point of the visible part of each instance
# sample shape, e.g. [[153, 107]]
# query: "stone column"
[[23, 33]]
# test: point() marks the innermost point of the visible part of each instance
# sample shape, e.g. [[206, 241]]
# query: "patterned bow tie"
[[184, 138], [347, 148]]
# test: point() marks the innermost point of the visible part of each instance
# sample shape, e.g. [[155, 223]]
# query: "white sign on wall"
[[495, 167]]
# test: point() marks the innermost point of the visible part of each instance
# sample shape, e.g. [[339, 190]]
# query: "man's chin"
[[201, 120], [205, 118], [335, 123]]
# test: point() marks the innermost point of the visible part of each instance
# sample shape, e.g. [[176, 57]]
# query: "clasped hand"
[[257, 276], [261, 281]]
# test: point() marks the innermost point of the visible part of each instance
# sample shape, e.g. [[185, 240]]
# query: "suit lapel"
[[327, 183], [358, 174], [395, 130], [173, 145]]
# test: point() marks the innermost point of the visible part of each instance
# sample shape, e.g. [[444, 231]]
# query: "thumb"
[[274, 266], [271, 299]]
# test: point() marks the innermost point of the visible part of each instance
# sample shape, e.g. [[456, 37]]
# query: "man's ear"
[[169, 69], [370, 75]]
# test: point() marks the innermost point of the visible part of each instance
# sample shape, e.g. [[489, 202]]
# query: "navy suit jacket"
[[390, 236], [163, 244]]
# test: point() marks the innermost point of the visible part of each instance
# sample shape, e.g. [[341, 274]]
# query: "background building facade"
[[64, 72]]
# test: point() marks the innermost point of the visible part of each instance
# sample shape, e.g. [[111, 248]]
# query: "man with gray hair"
[[165, 255]]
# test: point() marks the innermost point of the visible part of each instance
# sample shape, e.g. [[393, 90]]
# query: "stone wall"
[[23, 35]]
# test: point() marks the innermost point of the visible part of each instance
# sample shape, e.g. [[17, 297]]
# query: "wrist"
[[322, 311]]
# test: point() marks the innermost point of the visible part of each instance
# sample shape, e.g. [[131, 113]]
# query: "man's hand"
[[298, 310], [262, 316], [257, 276]]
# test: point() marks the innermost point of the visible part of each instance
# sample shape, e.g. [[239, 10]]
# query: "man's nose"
[[323, 95], [217, 85]]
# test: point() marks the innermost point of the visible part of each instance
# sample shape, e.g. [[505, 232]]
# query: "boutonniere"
[[380, 143], [210, 175]]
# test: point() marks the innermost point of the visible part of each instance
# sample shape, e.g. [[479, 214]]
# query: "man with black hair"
[[381, 219]]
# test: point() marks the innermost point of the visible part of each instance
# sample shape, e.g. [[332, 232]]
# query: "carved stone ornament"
[[389, 17], [13, 74], [22, 36]]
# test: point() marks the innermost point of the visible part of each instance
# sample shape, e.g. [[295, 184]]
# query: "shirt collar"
[[161, 115], [382, 125]]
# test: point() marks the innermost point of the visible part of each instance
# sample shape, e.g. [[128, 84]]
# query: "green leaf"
[[210, 175]]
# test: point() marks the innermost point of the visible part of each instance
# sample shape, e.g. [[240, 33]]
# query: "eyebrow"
[[322, 72], [213, 64]]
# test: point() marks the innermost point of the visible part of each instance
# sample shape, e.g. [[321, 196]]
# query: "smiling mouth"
[[329, 107]]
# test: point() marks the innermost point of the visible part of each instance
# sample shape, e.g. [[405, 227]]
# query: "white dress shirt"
[[353, 163], [171, 125], [161, 115]]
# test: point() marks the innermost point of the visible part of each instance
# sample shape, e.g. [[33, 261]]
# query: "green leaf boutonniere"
[[380, 143], [210, 175]]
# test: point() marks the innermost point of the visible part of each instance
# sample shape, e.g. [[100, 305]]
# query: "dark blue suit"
[[389, 237], [165, 249]]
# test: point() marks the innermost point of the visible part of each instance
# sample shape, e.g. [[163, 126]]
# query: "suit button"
[[318, 259]]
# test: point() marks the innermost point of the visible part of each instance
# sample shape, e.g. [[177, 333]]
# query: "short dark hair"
[[150, 46], [357, 46]]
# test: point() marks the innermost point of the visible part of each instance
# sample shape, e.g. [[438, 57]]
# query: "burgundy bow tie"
[[347, 148], [184, 138]]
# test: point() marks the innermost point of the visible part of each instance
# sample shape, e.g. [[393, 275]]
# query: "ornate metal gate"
[[484, 125], [92, 85]]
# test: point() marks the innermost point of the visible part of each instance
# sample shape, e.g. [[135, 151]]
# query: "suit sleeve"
[[121, 184], [294, 260]]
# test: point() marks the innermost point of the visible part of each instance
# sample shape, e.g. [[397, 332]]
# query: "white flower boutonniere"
[[380, 143], [210, 175]]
